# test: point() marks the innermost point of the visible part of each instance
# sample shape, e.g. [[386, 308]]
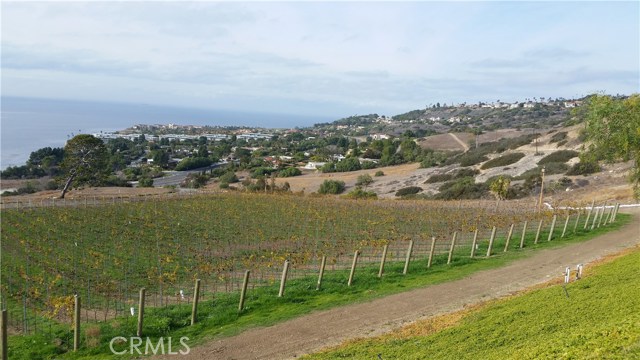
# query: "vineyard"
[[105, 253]]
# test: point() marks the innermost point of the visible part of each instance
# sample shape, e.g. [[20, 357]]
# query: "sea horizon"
[[28, 124]]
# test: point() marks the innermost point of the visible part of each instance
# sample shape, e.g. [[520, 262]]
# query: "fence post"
[[433, 248], [3, 336], [353, 267], [196, 298], [566, 223], [283, 279], [474, 243], [538, 232], [243, 293], [615, 212], [453, 245], [140, 311], [383, 259], [553, 226], [76, 322], [493, 236], [589, 215], [406, 261], [602, 213], [323, 262], [595, 219], [506, 244], [609, 214], [524, 232]]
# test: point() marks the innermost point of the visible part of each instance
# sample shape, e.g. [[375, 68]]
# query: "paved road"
[[312, 332], [177, 177]]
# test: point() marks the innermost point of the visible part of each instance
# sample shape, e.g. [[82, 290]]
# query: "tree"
[[613, 131], [86, 160], [331, 187], [499, 187]]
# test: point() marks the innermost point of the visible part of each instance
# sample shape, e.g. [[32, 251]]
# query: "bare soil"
[[323, 329]]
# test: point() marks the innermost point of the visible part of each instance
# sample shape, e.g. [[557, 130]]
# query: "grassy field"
[[599, 320]]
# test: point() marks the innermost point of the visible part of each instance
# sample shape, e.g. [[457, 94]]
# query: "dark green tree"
[[86, 161]]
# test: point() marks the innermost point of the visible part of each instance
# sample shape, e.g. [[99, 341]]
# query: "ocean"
[[28, 124]]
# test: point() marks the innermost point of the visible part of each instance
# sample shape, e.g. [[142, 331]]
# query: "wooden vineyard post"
[[602, 213], [3, 335], [589, 215], [453, 245], [493, 236], [595, 219], [609, 214], [553, 226], [76, 322], [283, 279], [140, 312], [538, 232], [566, 223], [406, 261], [431, 251], [575, 226], [196, 298], [323, 262], [353, 267], [506, 244], [474, 243], [383, 259], [615, 213], [243, 292], [524, 233]]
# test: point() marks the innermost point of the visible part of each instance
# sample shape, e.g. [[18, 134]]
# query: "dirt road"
[[326, 328], [462, 143]]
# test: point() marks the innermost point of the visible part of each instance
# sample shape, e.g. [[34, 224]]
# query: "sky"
[[318, 58]]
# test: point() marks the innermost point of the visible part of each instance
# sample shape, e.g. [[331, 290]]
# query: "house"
[[380, 136], [314, 165]]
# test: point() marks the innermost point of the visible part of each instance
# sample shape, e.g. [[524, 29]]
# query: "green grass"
[[219, 317], [599, 320]]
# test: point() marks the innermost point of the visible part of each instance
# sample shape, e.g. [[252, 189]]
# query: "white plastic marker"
[[567, 275], [579, 271], [133, 311], [181, 294]]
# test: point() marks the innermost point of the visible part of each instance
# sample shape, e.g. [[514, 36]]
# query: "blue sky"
[[322, 58]]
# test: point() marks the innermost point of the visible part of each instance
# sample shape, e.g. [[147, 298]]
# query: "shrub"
[[464, 188], [289, 172], [561, 156], [193, 163], [465, 172], [224, 185], [261, 171], [145, 182], [229, 178], [472, 159], [411, 190], [438, 178], [364, 180], [558, 137], [584, 168], [331, 187], [503, 160], [361, 194], [555, 168], [379, 173], [348, 164]]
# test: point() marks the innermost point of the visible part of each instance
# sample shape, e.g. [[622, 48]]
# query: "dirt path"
[[326, 328], [462, 143]]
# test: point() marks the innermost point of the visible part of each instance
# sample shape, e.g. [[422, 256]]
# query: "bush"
[[411, 190], [503, 160], [561, 156], [348, 164], [195, 181], [361, 194], [51, 185], [229, 178], [465, 172], [379, 173], [193, 163], [145, 182], [331, 187], [364, 180], [289, 172], [469, 159], [558, 137], [438, 178], [261, 171], [464, 188], [584, 168]]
